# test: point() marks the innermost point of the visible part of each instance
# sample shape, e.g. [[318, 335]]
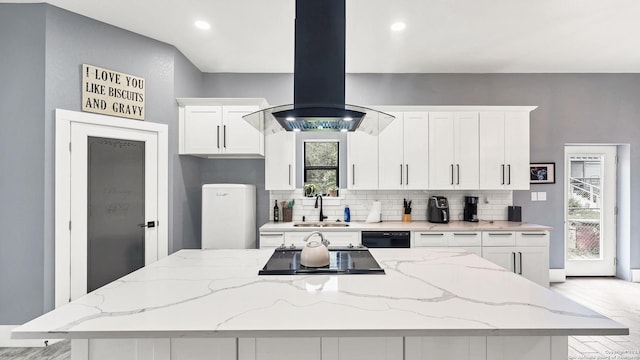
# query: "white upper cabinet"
[[280, 161], [453, 150], [403, 152], [211, 128], [362, 161], [504, 150]]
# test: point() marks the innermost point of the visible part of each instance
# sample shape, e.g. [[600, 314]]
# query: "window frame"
[[321, 167]]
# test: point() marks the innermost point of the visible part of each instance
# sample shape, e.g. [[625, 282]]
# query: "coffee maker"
[[438, 210], [471, 208]]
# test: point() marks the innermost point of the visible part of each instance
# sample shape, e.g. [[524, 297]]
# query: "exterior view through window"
[[321, 168]]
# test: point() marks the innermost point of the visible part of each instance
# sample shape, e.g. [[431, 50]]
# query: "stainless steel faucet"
[[322, 217]]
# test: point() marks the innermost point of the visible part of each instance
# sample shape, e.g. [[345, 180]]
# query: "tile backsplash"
[[492, 204]]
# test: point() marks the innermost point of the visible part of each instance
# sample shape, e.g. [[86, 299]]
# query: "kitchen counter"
[[412, 226], [218, 293]]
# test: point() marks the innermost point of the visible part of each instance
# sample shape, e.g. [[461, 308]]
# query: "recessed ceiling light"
[[347, 118], [202, 25], [398, 26], [296, 130], [344, 130], [290, 118]]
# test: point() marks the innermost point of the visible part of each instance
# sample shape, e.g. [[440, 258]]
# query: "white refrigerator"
[[228, 216]]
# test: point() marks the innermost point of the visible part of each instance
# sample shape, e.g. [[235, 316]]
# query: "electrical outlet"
[[534, 196], [542, 196]]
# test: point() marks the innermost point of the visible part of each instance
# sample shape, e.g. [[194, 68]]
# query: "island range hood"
[[319, 78]]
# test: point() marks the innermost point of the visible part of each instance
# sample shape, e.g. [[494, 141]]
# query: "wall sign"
[[112, 93]]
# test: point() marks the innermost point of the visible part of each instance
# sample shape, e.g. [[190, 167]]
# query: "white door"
[[279, 161], [390, 155], [111, 195], [362, 168], [467, 147], [416, 150], [516, 153], [590, 202], [441, 150], [492, 164], [203, 130], [239, 136]]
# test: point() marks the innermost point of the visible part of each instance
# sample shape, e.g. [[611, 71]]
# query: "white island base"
[[211, 304], [327, 348]]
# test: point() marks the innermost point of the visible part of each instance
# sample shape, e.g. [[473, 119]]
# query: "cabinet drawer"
[[532, 238], [430, 239], [271, 239], [339, 238], [498, 238], [465, 238]]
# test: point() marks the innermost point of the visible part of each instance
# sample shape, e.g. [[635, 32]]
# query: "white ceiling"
[[442, 36]]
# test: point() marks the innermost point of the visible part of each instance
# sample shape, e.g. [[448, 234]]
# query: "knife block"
[[406, 217], [287, 214]]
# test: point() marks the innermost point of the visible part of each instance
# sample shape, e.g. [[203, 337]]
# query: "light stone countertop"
[[484, 225], [217, 293]]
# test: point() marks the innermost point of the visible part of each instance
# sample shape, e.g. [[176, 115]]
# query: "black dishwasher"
[[386, 239]]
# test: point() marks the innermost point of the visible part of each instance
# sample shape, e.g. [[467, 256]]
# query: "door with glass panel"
[[590, 203]]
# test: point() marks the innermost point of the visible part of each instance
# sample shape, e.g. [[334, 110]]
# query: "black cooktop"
[[341, 261]]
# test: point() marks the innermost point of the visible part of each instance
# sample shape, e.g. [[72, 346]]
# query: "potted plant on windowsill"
[[333, 191], [310, 189]]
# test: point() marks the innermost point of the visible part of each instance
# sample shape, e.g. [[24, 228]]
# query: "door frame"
[[610, 226], [64, 120]]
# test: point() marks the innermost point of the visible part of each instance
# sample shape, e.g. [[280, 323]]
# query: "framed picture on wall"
[[542, 173]]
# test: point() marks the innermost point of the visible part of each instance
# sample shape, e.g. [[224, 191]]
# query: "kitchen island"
[[432, 303]]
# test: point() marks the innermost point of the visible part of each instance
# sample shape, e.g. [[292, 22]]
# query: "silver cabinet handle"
[[520, 257], [513, 257], [458, 168], [500, 234], [401, 179], [502, 166], [218, 136], [289, 174], [465, 234], [272, 234], [431, 234], [224, 136], [533, 234], [451, 174], [509, 174], [353, 174]]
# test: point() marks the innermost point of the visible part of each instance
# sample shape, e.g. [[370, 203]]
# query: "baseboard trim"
[[635, 275], [7, 341], [558, 275]]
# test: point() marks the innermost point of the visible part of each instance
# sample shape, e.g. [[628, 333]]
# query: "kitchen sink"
[[320, 224]]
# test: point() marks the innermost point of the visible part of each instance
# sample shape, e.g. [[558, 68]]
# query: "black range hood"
[[319, 78]]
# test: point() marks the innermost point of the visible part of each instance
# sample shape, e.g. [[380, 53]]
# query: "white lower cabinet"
[[445, 347], [280, 348], [203, 349], [362, 348], [468, 240], [336, 238], [269, 240], [524, 253]]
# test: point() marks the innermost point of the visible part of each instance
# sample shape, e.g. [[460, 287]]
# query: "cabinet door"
[[202, 128], [533, 263], [270, 240], [362, 348], [362, 171], [441, 150], [390, 155], [467, 150], [279, 348], [504, 256], [279, 161], [238, 136], [492, 164], [516, 127], [430, 239], [518, 347], [416, 150]]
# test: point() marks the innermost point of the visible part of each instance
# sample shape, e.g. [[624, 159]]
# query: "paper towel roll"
[[375, 214]]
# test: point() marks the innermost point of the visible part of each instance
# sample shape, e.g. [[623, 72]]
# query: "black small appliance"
[[514, 213], [471, 208], [438, 210]]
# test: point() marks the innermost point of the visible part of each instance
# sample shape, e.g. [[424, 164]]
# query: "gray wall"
[[22, 185], [41, 63], [573, 108]]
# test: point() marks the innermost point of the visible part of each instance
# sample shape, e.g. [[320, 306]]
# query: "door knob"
[[149, 224]]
